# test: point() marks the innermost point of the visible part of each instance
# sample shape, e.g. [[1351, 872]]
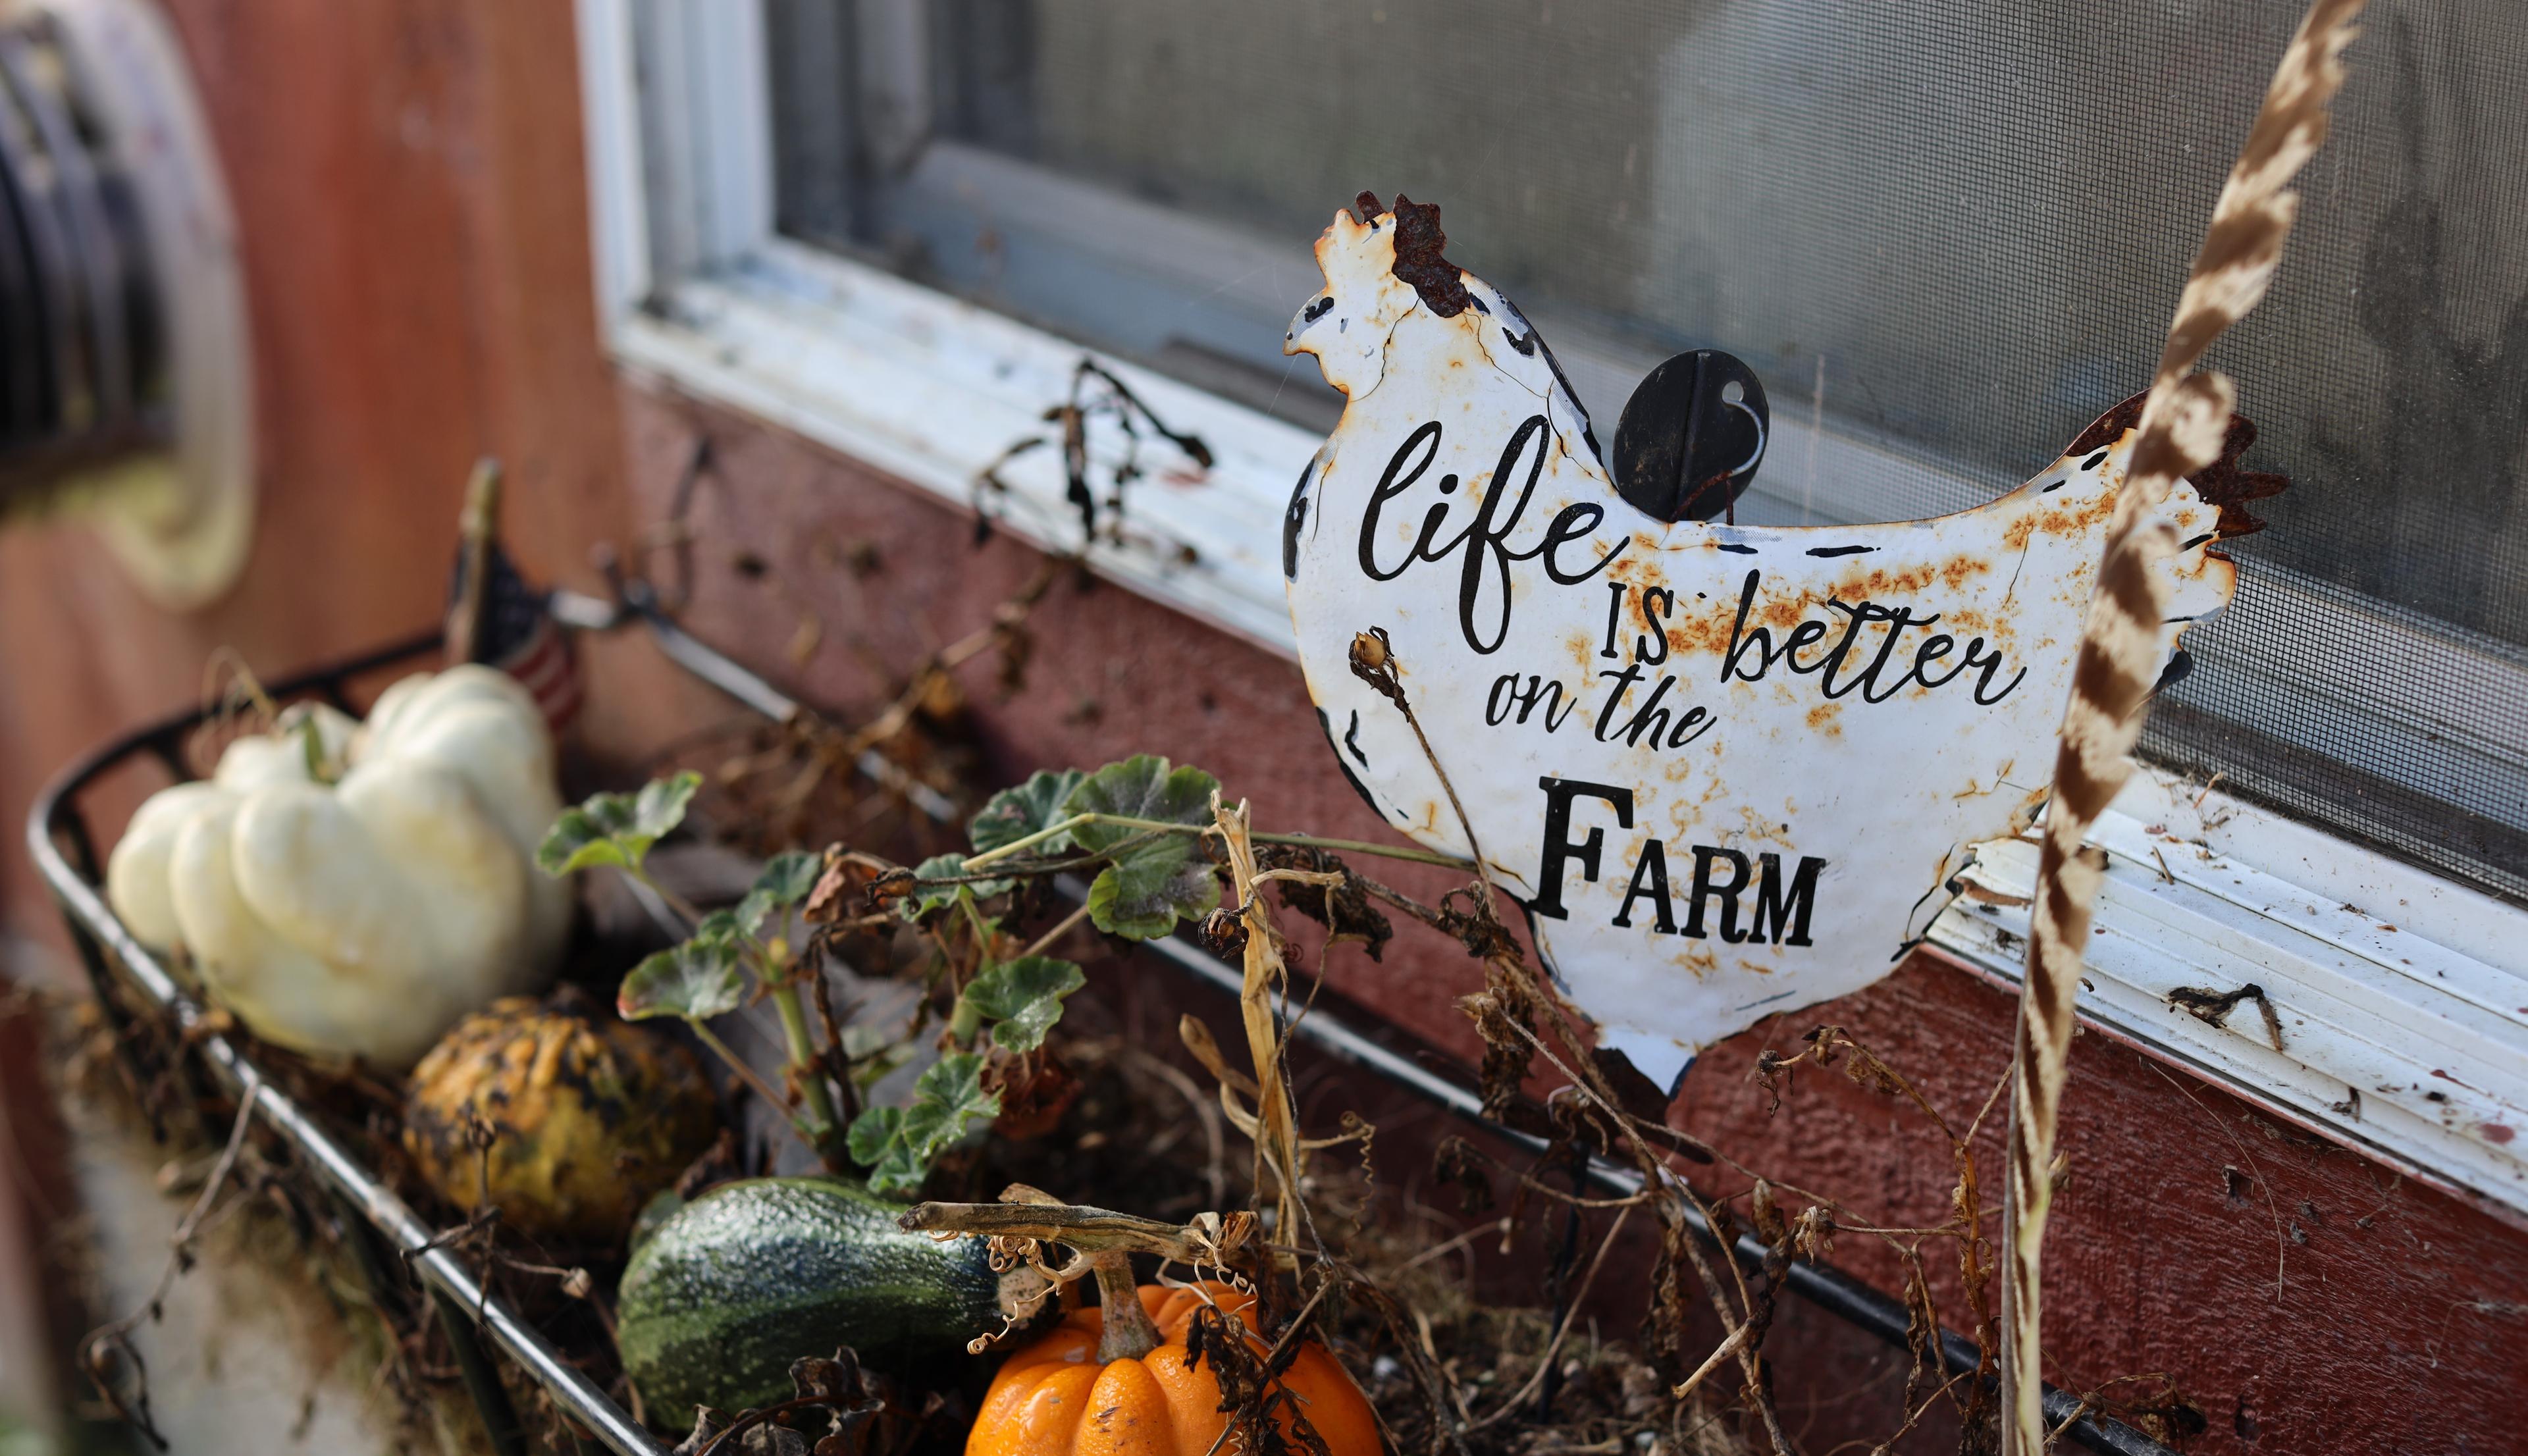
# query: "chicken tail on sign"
[[1728, 769]]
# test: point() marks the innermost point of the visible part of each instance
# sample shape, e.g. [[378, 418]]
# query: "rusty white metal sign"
[[1728, 769]]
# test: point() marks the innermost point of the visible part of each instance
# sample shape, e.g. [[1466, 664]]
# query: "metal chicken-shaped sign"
[[1727, 769]]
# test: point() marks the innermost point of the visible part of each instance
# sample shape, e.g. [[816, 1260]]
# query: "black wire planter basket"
[[146, 1005]]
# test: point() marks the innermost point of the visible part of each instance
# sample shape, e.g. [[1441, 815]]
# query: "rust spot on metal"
[[1418, 259], [1882, 583], [2106, 428], [1705, 629], [1759, 829], [2072, 518]]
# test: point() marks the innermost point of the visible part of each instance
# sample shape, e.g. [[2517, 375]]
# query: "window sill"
[[932, 390]]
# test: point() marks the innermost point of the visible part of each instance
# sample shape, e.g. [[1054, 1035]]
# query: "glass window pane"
[[1966, 220]]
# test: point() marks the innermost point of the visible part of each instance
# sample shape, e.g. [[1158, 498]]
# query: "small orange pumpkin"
[[1062, 1395]]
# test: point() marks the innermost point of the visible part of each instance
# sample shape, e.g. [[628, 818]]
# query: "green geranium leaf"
[[1155, 882], [697, 980], [1146, 890], [661, 804], [1022, 998], [788, 877], [1143, 787], [579, 838], [1031, 807], [938, 876], [899, 1144], [617, 828], [786, 881], [873, 1132], [900, 1170], [719, 924], [954, 1085]]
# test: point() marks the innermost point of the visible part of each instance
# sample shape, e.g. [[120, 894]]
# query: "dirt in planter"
[[1518, 1319], [1144, 1135], [1132, 1123], [1140, 1134]]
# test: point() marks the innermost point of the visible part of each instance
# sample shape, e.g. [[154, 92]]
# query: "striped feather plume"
[[2183, 424]]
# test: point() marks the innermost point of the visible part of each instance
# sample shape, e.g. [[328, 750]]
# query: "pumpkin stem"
[[1129, 1333]]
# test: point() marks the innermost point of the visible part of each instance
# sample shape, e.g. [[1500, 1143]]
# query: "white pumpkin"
[[353, 888]]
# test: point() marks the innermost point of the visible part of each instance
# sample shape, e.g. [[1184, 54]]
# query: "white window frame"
[[2403, 997]]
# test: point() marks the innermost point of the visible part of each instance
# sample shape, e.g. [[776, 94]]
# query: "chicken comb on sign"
[[1728, 769]]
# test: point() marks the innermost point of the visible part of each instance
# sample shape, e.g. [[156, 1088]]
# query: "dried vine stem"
[[1119, 405], [1710, 1362], [1742, 1329], [1374, 662], [2184, 422], [1026, 1219], [999, 859], [1504, 1007], [1205, 1240], [1976, 1261], [1561, 1331], [1008, 619], [1277, 1139]]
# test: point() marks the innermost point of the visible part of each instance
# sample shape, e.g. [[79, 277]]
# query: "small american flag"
[[507, 624]]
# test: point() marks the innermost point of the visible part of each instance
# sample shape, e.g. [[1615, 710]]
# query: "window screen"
[[1948, 234]]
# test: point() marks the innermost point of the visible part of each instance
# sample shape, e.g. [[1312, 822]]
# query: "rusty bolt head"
[[1373, 661]]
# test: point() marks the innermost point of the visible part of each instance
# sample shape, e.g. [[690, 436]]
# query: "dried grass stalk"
[[2183, 423]]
